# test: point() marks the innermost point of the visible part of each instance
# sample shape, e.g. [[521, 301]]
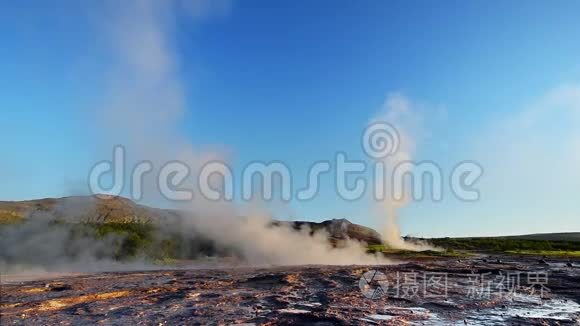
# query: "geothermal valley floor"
[[499, 290]]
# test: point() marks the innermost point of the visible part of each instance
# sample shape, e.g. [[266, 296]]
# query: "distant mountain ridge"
[[114, 209]]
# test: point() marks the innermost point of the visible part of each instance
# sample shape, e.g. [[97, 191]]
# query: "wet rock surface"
[[511, 291]]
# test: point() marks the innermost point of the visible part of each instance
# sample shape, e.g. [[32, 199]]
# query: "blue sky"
[[297, 81]]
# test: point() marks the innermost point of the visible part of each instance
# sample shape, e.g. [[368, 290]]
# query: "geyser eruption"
[[147, 95], [398, 125]]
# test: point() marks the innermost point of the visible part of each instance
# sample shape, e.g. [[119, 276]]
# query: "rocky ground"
[[477, 291]]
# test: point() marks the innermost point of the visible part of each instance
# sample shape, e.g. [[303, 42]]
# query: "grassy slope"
[[516, 245], [512, 245]]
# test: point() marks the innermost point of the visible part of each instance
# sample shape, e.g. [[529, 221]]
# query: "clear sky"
[[497, 82]]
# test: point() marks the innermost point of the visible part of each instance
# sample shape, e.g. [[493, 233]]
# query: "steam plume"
[[146, 103], [143, 106], [399, 112]]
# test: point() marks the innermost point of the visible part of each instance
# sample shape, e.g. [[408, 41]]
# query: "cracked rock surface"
[[410, 292]]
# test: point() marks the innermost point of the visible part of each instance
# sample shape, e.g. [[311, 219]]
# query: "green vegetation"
[[376, 248], [504, 244], [162, 246], [547, 253], [511, 245], [135, 238], [462, 247], [128, 241]]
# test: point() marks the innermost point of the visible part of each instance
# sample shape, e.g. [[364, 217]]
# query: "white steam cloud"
[[51, 240], [145, 105], [400, 112]]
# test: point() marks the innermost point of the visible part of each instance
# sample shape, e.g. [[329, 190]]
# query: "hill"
[[119, 210], [340, 229], [89, 209]]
